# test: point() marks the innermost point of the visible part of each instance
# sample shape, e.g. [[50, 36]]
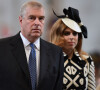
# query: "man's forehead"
[[39, 16], [34, 8]]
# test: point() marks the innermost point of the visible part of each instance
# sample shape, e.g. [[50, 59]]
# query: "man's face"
[[32, 23]]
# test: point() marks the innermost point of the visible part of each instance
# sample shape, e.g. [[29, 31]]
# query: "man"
[[15, 53]]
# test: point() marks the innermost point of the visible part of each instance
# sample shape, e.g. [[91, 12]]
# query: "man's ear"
[[20, 20]]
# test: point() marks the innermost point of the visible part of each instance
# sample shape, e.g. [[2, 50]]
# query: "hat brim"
[[71, 24]]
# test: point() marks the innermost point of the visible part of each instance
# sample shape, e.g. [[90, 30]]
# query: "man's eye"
[[75, 33], [42, 18], [66, 33], [32, 18]]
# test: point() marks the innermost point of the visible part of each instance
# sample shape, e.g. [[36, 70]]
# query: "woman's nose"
[[71, 36]]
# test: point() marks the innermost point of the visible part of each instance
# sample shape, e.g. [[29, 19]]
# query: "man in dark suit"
[[15, 53]]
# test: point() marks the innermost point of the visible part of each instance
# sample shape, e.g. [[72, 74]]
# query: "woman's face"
[[71, 39]]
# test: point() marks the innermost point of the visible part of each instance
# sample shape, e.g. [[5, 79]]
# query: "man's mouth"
[[36, 29]]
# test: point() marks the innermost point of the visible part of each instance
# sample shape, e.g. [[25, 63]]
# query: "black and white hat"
[[72, 20]]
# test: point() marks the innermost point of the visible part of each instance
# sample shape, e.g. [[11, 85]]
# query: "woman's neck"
[[69, 52]]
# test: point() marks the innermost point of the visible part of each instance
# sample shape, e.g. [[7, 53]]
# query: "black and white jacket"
[[78, 74]]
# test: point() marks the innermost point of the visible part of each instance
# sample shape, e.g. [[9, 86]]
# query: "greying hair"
[[31, 4]]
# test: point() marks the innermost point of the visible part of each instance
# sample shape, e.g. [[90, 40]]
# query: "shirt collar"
[[37, 44], [26, 42], [64, 54]]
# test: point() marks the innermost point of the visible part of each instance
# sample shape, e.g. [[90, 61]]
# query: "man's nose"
[[37, 21]]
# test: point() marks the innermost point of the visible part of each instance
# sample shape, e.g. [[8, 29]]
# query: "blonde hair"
[[56, 37], [31, 4]]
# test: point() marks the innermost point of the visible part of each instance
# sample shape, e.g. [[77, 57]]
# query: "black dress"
[[78, 74]]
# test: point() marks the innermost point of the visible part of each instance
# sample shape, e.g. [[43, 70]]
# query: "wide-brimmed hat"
[[72, 20], [72, 24]]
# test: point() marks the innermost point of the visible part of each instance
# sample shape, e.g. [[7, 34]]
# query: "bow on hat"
[[73, 14]]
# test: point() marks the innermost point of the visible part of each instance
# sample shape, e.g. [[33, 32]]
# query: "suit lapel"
[[44, 55], [19, 53]]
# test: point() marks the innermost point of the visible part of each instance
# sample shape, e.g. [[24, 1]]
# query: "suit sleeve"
[[91, 75], [59, 83]]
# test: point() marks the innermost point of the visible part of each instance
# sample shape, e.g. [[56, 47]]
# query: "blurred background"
[[89, 13]]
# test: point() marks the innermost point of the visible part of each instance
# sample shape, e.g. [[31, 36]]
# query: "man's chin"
[[36, 35]]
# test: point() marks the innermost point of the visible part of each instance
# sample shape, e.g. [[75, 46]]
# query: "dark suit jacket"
[[14, 73]]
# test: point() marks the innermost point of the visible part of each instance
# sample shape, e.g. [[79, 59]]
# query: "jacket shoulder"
[[48, 44], [7, 40]]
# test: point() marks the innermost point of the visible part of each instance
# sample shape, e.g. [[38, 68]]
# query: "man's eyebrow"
[[32, 16], [42, 16]]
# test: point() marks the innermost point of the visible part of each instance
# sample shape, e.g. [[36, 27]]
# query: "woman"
[[68, 32]]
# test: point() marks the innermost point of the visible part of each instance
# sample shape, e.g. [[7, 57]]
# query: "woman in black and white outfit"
[[68, 32]]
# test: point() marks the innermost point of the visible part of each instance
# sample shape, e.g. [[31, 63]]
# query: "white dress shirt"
[[27, 47]]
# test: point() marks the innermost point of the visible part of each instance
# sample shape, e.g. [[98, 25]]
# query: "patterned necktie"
[[32, 66]]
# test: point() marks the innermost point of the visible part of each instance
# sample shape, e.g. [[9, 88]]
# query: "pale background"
[[89, 13]]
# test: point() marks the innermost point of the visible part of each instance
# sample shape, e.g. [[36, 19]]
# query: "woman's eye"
[[75, 33], [66, 33]]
